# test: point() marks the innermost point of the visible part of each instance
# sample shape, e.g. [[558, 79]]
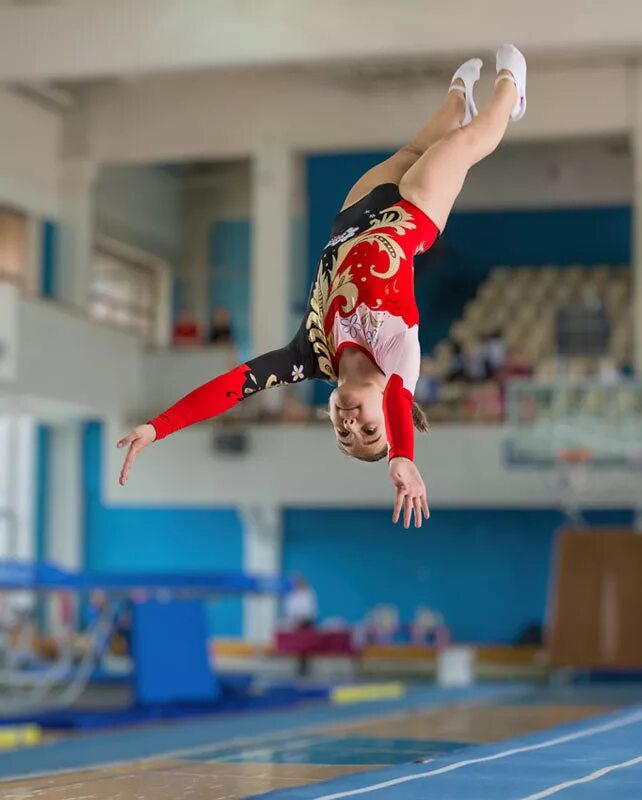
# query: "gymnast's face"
[[357, 417]]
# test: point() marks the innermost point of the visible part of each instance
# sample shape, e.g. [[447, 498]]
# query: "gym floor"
[[456, 731]]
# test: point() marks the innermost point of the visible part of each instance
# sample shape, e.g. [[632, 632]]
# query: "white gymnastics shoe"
[[468, 74], [512, 60]]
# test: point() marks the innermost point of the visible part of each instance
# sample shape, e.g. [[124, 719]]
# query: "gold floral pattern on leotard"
[[334, 281], [327, 287]]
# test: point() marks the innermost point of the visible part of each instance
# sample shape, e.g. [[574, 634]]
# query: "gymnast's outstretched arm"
[[290, 364]]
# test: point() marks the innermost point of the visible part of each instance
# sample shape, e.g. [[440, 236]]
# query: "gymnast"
[[360, 330]]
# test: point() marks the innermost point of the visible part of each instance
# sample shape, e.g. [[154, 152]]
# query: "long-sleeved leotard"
[[363, 297], [290, 364]]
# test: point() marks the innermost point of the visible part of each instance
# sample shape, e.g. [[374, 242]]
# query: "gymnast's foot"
[[464, 81], [511, 66]]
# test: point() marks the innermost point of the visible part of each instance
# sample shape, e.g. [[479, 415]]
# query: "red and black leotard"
[[363, 296]]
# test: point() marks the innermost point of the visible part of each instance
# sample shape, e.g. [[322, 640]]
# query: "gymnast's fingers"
[[398, 504], [132, 453], [424, 505], [417, 504], [407, 514], [131, 437]]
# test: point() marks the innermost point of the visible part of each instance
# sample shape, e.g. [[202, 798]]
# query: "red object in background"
[[313, 642], [186, 331]]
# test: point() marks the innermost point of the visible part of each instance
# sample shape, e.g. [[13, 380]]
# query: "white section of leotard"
[[393, 345]]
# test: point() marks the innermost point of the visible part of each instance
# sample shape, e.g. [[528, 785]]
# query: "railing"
[[603, 419]]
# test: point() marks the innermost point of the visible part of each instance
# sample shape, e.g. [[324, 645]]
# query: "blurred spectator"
[[428, 628], [494, 352], [187, 332], [301, 610], [385, 624], [221, 327], [429, 383], [516, 365], [475, 361], [457, 363], [301, 605]]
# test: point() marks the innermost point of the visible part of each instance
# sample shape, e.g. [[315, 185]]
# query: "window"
[[13, 245], [125, 292]]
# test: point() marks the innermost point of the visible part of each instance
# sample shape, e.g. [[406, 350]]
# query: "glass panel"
[[123, 293]]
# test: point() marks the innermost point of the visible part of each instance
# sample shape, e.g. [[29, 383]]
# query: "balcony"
[[55, 361]]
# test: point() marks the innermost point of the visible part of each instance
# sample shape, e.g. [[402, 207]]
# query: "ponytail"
[[419, 419]]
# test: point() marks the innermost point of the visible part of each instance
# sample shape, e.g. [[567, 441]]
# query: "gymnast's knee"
[[412, 151]]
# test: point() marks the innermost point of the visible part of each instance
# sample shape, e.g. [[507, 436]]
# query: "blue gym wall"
[[47, 283], [49, 238], [486, 570], [154, 539], [41, 483], [229, 248]]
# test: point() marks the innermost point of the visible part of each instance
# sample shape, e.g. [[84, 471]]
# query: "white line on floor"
[[599, 773], [629, 719]]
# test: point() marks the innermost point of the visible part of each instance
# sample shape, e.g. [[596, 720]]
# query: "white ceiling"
[[77, 40]]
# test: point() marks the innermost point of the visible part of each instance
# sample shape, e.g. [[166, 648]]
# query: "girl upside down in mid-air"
[[361, 327]]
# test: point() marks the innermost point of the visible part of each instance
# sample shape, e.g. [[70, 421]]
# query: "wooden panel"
[[596, 609]]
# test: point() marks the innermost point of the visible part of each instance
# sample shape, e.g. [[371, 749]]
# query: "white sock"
[[468, 73], [512, 60]]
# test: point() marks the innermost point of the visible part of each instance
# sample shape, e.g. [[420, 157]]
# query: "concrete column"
[[6, 505], [17, 486], [24, 466], [76, 232], [273, 184], [636, 148], [64, 546], [262, 551]]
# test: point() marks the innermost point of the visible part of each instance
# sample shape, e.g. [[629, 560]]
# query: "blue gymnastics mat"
[[598, 759]]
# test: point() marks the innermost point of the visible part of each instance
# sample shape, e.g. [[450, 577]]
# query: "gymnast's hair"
[[419, 420]]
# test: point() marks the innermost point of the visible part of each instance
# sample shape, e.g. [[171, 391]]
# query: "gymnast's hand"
[[410, 491], [137, 440]]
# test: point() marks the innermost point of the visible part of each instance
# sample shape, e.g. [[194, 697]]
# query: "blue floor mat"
[[599, 758]]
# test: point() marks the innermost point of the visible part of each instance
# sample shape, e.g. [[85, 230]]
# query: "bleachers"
[[523, 303]]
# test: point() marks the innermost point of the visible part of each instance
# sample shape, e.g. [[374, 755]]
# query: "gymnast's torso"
[[363, 293]]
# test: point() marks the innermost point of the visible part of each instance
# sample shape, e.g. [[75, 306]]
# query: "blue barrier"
[[48, 577]]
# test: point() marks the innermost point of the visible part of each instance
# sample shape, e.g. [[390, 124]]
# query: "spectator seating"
[[523, 303]]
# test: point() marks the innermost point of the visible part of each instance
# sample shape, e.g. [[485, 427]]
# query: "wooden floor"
[[217, 780]]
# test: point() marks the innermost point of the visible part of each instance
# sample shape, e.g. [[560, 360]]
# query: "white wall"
[[8, 331], [230, 114], [64, 358], [168, 374], [140, 206], [299, 465], [29, 154]]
